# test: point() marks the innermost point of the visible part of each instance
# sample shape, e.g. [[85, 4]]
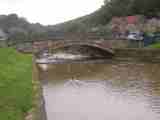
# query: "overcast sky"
[[49, 11]]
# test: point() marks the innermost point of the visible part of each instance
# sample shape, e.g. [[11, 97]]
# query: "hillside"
[[19, 29], [98, 20]]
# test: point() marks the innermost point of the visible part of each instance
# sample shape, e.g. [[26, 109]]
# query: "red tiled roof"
[[132, 19]]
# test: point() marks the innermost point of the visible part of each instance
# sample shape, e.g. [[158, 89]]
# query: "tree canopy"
[[131, 7], [20, 29]]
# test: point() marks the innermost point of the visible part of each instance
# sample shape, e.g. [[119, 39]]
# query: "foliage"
[[15, 84], [112, 8], [131, 7], [19, 29]]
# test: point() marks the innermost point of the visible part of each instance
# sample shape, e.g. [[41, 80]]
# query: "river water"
[[101, 91]]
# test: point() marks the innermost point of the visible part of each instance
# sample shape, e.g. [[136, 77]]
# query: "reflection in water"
[[79, 100], [73, 52], [101, 92]]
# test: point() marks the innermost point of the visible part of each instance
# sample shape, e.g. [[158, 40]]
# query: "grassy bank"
[[15, 84], [156, 45]]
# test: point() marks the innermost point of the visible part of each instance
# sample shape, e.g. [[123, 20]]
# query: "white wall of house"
[[3, 38], [3, 35]]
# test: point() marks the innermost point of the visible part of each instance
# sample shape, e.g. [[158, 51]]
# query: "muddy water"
[[102, 91]]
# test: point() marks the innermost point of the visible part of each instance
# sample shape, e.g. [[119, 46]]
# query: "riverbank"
[[157, 45], [15, 84]]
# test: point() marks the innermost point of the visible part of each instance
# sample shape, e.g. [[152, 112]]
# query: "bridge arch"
[[95, 51], [88, 48], [92, 45]]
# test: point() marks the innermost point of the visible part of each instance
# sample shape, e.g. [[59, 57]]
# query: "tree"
[[131, 7], [146, 7]]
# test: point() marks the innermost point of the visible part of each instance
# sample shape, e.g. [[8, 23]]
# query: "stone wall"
[[143, 55]]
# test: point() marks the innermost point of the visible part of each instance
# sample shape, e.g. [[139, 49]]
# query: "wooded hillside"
[[19, 29]]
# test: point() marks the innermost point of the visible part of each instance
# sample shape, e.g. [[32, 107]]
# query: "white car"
[[135, 36]]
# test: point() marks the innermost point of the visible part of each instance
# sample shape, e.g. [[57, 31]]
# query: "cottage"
[[3, 38]]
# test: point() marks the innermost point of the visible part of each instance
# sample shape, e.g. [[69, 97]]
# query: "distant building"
[[3, 38]]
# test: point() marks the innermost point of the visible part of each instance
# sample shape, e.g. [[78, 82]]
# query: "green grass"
[[15, 84], [156, 45]]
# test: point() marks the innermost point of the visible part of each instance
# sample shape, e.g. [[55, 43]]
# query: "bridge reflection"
[[74, 52]]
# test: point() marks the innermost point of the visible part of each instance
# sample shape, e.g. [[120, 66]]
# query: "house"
[[3, 38], [122, 26]]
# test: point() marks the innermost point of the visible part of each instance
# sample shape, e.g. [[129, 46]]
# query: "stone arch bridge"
[[118, 48], [106, 45]]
